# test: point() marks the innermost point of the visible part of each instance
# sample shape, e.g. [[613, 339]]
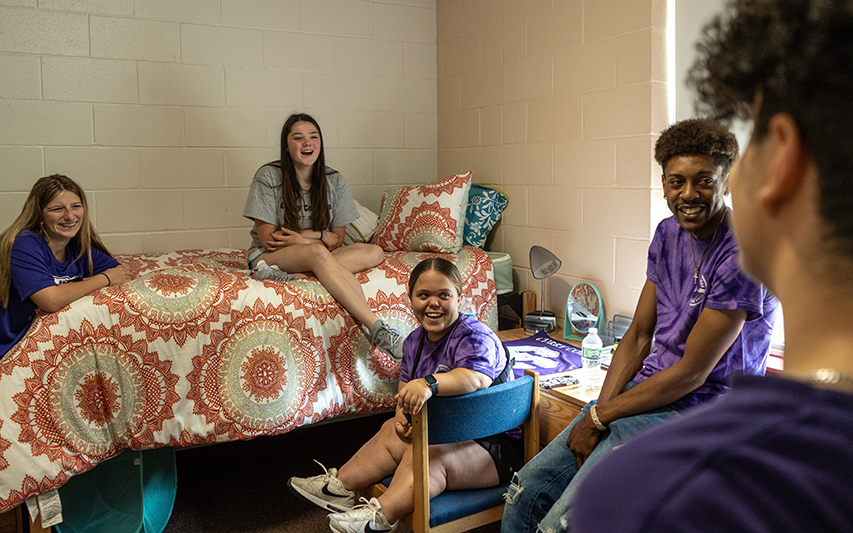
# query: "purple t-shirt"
[[723, 286], [470, 344], [771, 455], [34, 267]]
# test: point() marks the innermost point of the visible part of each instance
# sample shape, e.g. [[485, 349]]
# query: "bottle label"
[[592, 354], [467, 308]]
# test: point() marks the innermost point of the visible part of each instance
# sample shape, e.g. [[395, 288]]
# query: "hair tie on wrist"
[[108, 279]]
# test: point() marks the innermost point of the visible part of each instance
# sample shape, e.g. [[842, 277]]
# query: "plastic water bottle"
[[466, 308], [592, 359]]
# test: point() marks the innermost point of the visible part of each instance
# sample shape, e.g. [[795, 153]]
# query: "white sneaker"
[[325, 490], [387, 339], [367, 518], [263, 271]]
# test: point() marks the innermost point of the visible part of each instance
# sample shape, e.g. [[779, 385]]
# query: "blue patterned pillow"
[[485, 206]]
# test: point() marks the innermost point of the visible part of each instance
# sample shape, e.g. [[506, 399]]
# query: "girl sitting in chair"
[[447, 355]]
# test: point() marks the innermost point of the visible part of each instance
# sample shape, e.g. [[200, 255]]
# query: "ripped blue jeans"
[[541, 493]]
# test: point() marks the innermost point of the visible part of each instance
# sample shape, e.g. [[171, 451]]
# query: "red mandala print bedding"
[[194, 351]]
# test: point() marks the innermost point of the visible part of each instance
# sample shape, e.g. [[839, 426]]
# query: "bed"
[[195, 351]]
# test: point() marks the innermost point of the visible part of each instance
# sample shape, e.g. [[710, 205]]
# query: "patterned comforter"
[[195, 351]]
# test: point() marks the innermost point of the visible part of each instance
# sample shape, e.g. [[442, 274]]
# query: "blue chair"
[[446, 419]]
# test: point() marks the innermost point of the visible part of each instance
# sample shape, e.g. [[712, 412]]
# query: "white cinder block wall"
[[558, 103], [162, 110]]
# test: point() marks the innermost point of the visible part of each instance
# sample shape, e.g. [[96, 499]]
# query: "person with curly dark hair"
[[699, 320], [698, 136], [775, 454]]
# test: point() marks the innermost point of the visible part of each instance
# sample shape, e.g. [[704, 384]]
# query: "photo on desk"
[[544, 354]]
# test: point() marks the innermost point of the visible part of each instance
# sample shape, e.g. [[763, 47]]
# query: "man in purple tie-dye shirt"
[[698, 321]]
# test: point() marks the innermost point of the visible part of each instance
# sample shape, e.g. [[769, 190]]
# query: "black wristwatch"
[[433, 384]]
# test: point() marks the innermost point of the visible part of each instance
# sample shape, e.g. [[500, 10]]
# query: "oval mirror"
[[584, 310]]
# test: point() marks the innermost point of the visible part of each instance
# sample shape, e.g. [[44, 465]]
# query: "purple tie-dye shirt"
[[470, 344], [722, 285]]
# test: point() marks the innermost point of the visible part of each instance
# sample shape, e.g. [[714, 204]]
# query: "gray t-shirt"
[[264, 202]]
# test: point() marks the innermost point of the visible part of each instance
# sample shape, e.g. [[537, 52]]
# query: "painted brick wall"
[[558, 104], [163, 110]]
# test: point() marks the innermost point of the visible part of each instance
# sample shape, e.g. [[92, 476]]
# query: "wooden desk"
[[558, 406]]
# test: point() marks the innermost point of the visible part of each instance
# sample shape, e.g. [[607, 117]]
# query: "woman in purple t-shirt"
[[448, 355], [51, 243]]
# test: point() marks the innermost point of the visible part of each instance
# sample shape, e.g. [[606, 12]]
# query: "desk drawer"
[[555, 415]]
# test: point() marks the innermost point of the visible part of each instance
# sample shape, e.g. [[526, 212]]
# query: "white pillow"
[[361, 230]]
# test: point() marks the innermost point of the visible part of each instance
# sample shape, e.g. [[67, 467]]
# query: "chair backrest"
[[479, 414], [459, 418]]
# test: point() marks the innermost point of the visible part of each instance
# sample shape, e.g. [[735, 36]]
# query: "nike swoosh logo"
[[327, 492], [368, 529]]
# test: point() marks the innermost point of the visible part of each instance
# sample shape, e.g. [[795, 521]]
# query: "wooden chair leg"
[[420, 464], [531, 427]]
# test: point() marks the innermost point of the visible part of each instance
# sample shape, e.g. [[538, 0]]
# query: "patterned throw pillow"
[[362, 229], [485, 206], [426, 218]]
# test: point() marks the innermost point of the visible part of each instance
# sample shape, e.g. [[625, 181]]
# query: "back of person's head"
[[440, 265], [32, 215], [697, 136], [793, 57]]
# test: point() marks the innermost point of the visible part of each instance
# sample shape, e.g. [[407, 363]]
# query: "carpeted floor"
[[241, 487]]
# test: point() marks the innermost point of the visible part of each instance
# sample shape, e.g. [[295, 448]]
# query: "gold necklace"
[[708, 249]]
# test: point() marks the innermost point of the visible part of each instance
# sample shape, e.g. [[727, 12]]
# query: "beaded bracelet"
[[593, 412]]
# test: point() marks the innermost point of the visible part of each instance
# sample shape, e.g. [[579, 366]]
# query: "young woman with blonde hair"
[[50, 256]]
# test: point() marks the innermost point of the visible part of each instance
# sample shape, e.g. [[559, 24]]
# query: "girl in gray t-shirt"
[[300, 208]]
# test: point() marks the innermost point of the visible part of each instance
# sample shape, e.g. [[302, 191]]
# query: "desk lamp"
[[543, 264]]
